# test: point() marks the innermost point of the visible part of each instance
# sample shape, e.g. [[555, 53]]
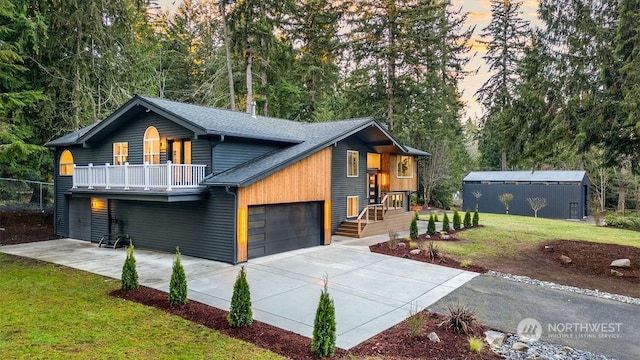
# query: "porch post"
[[146, 175], [90, 176], [126, 176], [73, 178], [169, 175], [106, 173]]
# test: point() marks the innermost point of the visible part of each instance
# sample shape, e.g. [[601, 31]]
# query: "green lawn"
[[53, 312], [505, 234]]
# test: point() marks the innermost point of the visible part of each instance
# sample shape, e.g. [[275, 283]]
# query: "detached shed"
[[566, 192]]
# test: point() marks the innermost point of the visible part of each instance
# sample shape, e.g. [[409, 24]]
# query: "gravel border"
[[540, 350], [573, 289]]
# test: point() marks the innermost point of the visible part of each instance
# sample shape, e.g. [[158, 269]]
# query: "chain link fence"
[[18, 194]]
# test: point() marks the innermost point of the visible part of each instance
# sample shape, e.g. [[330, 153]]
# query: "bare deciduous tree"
[[506, 200], [477, 195], [436, 169], [537, 203]]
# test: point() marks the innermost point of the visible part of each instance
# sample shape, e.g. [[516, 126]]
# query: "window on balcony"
[[66, 163], [352, 163], [120, 153], [152, 146], [404, 166], [352, 206]]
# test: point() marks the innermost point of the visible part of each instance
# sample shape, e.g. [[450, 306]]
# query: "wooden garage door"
[[80, 219], [284, 227]]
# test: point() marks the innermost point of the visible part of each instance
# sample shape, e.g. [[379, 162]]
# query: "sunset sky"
[[479, 15]]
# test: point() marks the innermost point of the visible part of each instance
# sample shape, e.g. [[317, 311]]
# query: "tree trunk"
[[622, 189], [263, 81], [225, 34], [249, 82], [503, 161], [391, 65]]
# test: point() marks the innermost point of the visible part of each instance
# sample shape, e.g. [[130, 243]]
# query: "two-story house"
[[226, 185]]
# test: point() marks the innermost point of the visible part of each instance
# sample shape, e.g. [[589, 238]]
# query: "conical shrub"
[[240, 313], [445, 223], [178, 283], [457, 220], [467, 220], [476, 218], [413, 229], [129, 272], [431, 226], [323, 343]]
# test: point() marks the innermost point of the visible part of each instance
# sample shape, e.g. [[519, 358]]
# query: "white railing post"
[[90, 176], [74, 177], [107, 185], [146, 175], [126, 176], [169, 175]]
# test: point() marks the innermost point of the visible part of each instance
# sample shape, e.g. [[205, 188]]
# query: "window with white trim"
[[120, 153], [66, 163], [352, 206], [352, 163], [152, 145], [404, 166]]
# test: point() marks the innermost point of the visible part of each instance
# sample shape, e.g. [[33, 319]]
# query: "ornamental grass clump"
[[457, 220], [178, 283], [445, 223], [460, 319], [476, 218], [240, 313], [431, 226], [467, 220], [129, 272], [323, 343], [413, 229]]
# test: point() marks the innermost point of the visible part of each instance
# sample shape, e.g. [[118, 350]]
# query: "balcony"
[[160, 177]]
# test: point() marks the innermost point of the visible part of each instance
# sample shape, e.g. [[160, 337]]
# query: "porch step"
[[398, 220]]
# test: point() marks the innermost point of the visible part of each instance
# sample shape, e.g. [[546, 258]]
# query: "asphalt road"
[[606, 327]]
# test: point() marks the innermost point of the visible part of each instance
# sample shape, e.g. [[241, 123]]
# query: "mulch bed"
[[25, 226], [393, 343]]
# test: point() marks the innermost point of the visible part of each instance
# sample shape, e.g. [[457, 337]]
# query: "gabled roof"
[[541, 175], [304, 138]]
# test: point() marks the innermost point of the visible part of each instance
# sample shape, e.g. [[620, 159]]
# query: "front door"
[[373, 189], [180, 153]]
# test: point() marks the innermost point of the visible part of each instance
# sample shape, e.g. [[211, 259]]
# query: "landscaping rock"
[[616, 273], [520, 346], [402, 245], [565, 259], [494, 338], [414, 252], [445, 237], [621, 263], [549, 248], [433, 337]]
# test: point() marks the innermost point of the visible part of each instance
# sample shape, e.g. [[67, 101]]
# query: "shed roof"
[[540, 175]]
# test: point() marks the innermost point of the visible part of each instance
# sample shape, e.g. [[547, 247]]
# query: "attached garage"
[[284, 227], [80, 218]]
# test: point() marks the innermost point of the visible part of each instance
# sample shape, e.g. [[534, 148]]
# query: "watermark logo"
[[530, 328]]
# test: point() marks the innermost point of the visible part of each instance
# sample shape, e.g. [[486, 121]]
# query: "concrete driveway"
[[371, 292]]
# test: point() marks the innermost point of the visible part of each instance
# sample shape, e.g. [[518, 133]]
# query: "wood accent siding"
[[307, 180], [402, 184]]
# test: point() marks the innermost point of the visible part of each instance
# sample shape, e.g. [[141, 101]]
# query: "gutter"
[[235, 224]]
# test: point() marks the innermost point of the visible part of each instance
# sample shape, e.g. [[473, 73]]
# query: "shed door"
[[80, 218], [284, 227], [574, 210]]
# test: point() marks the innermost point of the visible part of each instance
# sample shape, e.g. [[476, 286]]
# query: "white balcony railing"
[[161, 176]]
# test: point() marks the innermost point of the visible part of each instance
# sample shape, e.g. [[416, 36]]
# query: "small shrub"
[[476, 345], [431, 226], [323, 342], [431, 250], [506, 200], [415, 321], [623, 222], [460, 319], [457, 220], [435, 217], [465, 263], [129, 272], [467, 220], [413, 245], [445, 223], [393, 239], [413, 229], [240, 313], [178, 283], [476, 218]]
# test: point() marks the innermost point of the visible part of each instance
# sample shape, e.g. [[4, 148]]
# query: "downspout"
[[235, 223]]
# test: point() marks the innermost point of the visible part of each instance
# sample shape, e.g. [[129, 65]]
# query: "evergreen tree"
[[456, 220], [431, 226], [413, 228], [467, 220], [445, 223], [129, 272], [476, 218], [240, 313], [178, 283], [323, 342]]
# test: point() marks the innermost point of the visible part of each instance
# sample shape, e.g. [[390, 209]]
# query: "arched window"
[[152, 146], [66, 163]]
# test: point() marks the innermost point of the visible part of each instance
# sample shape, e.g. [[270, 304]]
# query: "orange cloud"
[[474, 15]]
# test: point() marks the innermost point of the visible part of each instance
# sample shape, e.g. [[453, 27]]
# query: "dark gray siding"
[[559, 198], [343, 186], [100, 220], [201, 228], [62, 185], [230, 154]]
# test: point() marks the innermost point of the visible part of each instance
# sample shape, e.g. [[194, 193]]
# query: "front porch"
[[146, 177], [389, 214]]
